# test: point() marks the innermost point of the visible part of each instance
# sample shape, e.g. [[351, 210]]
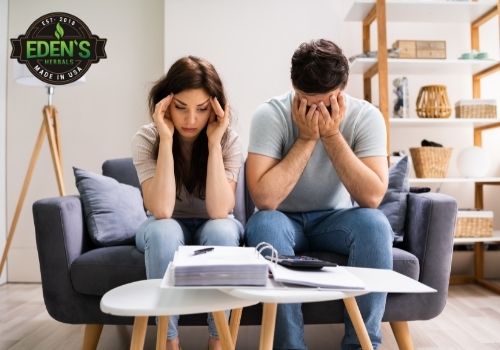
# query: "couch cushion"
[[394, 203], [122, 170], [113, 211], [99, 270], [405, 263]]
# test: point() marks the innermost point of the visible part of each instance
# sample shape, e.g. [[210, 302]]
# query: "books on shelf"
[[221, 266]]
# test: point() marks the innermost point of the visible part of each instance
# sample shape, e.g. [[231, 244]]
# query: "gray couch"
[[75, 273]]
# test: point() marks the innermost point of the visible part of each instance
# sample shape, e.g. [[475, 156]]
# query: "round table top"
[[279, 294], [146, 298]]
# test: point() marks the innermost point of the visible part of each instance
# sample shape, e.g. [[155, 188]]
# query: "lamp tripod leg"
[[57, 129], [51, 126], [22, 196]]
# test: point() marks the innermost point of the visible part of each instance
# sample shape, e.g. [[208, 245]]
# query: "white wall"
[[98, 118], [251, 43], [3, 100]]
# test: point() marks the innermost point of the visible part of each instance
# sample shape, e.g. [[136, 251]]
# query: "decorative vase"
[[432, 102]]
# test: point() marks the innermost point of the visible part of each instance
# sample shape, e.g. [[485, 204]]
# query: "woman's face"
[[190, 110]]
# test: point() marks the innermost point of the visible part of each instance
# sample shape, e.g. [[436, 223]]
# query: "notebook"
[[328, 277], [221, 266]]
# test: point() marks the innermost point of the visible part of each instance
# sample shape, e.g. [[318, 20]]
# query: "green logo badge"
[[58, 48]]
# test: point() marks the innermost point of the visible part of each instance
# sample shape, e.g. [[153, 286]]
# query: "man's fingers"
[[303, 107], [295, 104], [315, 118], [311, 111], [334, 106], [341, 102], [325, 114]]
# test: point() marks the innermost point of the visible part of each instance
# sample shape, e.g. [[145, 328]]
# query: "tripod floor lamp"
[[50, 129]]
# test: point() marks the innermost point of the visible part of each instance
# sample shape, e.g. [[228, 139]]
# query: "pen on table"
[[203, 251]]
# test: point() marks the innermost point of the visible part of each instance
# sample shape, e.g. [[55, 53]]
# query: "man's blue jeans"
[[159, 239], [363, 234]]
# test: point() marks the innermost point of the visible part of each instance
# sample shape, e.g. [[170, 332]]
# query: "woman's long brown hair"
[[187, 73]]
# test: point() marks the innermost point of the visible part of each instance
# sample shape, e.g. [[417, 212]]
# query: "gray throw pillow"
[[394, 203], [113, 211]]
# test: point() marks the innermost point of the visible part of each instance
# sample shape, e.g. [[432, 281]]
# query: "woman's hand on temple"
[[162, 119], [217, 122]]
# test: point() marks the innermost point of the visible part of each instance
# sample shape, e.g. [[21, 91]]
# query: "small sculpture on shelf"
[[402, 102]]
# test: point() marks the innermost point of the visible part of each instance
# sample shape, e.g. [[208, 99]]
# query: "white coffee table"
[[145, 298], [375, 280]]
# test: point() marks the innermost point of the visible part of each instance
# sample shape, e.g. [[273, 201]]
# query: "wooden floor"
[[471, 320]]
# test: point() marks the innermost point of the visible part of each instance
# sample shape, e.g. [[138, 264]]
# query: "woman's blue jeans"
[[159, 239], [363, 234]]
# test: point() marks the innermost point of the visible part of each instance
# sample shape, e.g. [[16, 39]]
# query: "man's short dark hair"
[[319, 66]]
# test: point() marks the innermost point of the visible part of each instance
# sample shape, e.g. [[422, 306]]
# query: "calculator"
[[302, 262]]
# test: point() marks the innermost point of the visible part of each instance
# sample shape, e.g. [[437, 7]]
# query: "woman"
[[187, 161]]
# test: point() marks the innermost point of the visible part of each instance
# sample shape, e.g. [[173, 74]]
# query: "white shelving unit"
[[419, 11], [454, 180], [444, 122], [430, 11], [471, 240], [476, 13], [413, 66]]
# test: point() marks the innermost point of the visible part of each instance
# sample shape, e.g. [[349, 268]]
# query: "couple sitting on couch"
[[312, 152]]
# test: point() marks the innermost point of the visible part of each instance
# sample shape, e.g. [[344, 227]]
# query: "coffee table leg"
[[139, 332], [358, 323], [267, 327], [223, 330], [234, 323], [161, 333]]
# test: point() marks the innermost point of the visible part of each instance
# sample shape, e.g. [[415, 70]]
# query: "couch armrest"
[[60, 238], [430, 227]]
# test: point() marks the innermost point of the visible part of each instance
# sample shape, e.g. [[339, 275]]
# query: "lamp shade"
[[473, 162], [23, 76]]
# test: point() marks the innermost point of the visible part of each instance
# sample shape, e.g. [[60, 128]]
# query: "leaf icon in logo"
[[59, 31]]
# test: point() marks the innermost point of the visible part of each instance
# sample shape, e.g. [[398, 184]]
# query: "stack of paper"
[[328, 277], [222, 266]]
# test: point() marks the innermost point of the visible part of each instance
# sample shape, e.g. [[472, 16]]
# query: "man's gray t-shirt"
[[273, 133]]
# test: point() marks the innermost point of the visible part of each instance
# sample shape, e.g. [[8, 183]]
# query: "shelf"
[[423, 10], [415, 122], [471, 240], [454, 180], [412, 66]]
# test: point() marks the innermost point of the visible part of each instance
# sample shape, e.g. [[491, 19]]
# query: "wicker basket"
[[432, 102], [474, 224], [430, 161], [476, 108]]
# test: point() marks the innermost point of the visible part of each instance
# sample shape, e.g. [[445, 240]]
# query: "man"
[[312, 153]]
